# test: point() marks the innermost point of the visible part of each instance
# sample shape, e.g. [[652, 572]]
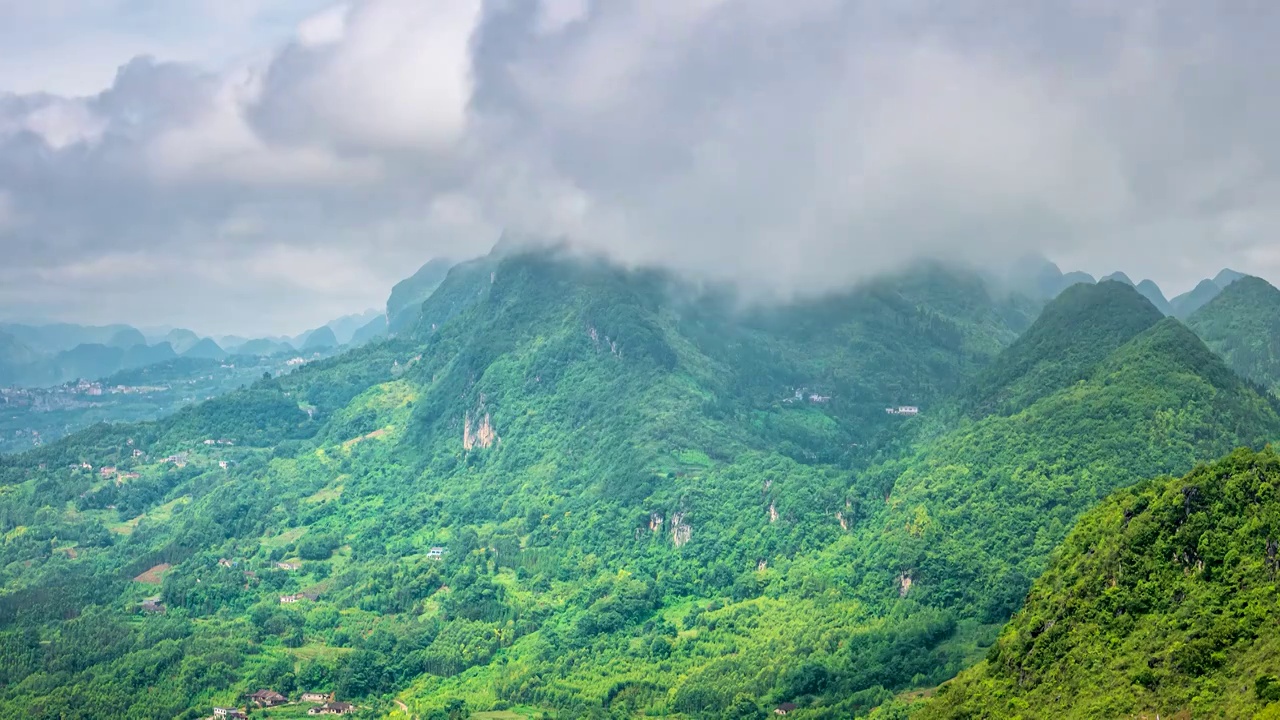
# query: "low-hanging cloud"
[[793, 147]]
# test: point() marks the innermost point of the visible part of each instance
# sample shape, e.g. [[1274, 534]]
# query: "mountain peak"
[[205, 349], [1075, 332], [1174, 342], [1118, 277], [1189, 302], [1241, 324], [405, 301], [1227, 276], [1151, 291], [321, 338]]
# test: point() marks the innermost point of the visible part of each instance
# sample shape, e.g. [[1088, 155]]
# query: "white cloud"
[[397, 78], [8, 213], [556, 15], [324, 28], [220, 145], [792, 146]]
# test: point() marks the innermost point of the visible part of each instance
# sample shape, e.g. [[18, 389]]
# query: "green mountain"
[[345, 328], [320, 339], [88, 362], [609, 466], [262, 347], [574, 488], [27, 367], [408, 295], [1072, 336], [1161, 601], [1047, 280], [181, 340], [1186, 304], [1227, 276], [142, 355], [206, 349], [970, 518], [58, 337], [15, 355], [372, 330], [127, 338], [1149, 290], [1242, 324]]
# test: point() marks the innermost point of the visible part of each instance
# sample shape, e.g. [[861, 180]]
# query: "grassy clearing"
[[325, 495], [161, 514], [313, 651], [154, 576], [283, 538]]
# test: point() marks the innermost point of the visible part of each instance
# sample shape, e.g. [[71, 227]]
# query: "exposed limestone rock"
[[904, 584], [655, 522], [762, 566], [680, 532], [773, 514], [482, 436], [844, 524]]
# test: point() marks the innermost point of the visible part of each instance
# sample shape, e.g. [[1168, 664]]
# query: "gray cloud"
[[791, 146]]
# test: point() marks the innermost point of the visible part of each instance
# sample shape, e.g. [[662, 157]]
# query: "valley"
[[568, 489]]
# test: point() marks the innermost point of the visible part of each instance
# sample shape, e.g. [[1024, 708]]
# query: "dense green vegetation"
[[1242, 324], [653, 501], [1072, 337], [1161, 601]]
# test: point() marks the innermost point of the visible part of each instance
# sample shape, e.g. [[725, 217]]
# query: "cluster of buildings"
[[801, 396], [83, 387], [307, 595], [178, 460], [903, 410], [270, 698]]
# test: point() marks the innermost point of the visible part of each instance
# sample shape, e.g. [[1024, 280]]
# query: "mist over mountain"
[[181, 340], [827, 360], [632, 477], [320, 338], [205, 349], [408, 295], [345, 328], [289, 182]]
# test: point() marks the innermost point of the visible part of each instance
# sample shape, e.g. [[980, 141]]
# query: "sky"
[[255, 167]]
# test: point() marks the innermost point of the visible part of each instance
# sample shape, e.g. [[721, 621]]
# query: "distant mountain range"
[[1043, 279], [46, 355]]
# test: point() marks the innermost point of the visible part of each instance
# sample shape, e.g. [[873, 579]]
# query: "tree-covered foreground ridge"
[[571, 490], [1162, 601]]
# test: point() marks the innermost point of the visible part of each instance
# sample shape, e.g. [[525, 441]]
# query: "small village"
[[321, 704], [802, 395]]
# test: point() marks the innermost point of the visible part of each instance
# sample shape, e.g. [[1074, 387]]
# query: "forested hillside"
[[1242, 324], [1160, 602], [597, 492], [970, 518]]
